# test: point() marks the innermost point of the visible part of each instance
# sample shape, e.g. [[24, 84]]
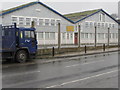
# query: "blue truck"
[[18, 44]]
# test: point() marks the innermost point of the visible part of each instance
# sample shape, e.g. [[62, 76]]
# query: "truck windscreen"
[[29, 34]]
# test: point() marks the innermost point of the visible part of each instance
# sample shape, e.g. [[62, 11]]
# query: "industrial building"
[[88, 27]]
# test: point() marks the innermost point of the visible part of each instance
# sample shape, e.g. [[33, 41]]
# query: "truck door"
[[28, 40]]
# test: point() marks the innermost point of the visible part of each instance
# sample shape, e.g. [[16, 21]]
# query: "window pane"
[[86, 24], [71, 36], [58, 21], [32, 34], [47, 22], [14, 20], [28, 21], [52, 35], [40, 22], [27, 34], [35, 20], [63, 35], [46, 35], [67, 35], [52, 22], [21, 21], [40, 35]]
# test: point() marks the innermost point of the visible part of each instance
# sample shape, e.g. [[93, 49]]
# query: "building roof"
[[73, 17], [79, 15], [4, 12]]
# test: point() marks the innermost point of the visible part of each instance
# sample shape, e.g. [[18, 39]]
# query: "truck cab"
[[19, 44]]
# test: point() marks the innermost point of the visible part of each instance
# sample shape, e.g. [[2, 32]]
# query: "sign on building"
[[70, 28]]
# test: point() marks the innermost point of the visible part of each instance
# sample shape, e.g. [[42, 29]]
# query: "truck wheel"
[[21, 56]]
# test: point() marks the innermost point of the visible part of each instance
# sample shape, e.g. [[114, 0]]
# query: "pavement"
[[94, 71]]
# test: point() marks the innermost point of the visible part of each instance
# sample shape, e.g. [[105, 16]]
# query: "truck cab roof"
[[27, 29]]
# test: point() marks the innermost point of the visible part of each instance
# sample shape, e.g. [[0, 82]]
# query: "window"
[[21, 21], [63, 35], [27, 34], [86, 35], [86, 24], [109, 25], [40, 22], [102, 35], [113, 36], [52, 22], [91, 24], [32, 34], [113, 26], [21, 34], [106, 25], [102, 17], [35, 20], [102, 25], [46, 35], [99, 35], [40, 35], [67, 35], [28, 21], [98, 25], [82, 35], [71, 36], [116, 35], [110, 35], [91, 35], [52, 35], [106, 35], [46, 22], [58, 21], [14, 20]]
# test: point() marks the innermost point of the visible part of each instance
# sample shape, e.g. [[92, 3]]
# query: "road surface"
[[99, 71]]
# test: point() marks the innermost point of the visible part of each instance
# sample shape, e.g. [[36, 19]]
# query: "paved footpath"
[[90, 52], [76, 54]]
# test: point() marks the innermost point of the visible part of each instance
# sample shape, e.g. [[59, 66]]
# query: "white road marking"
[[20, 74], [74, 81], [84, 63]]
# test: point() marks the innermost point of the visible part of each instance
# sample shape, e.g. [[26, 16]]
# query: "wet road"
[[90, 72]]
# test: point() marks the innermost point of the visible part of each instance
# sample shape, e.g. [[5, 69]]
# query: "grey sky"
[[65, 6]]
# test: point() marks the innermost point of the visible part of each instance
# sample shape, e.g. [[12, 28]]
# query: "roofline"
[[56, 12], [96, 13], [7, 12], [88, 16], [110, 16]]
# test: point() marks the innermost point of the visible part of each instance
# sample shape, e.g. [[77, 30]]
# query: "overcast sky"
[[69, 6]]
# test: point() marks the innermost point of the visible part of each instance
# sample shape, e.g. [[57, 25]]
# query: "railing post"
[[95, 36], [85, 49], [59, 36], [79, 36], [108, 36], [103, 47], [53, 51]]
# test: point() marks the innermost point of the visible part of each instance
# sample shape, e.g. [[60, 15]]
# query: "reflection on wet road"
[[91, 72]]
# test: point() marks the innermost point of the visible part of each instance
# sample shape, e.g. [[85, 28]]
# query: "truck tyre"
[[21, 56]]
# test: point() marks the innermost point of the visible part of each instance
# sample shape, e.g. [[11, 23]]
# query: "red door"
[[76, 38]]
